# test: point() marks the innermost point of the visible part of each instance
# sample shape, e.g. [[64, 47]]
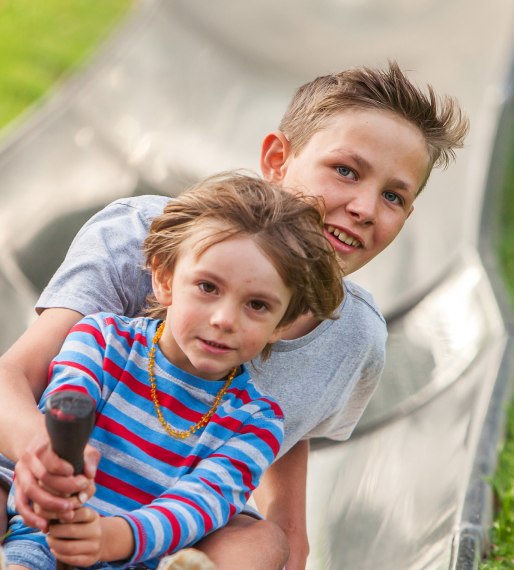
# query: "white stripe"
[[134, 465]]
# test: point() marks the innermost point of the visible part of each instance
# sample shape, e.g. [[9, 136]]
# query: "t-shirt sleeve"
[[339, 425], [216, 490], [359, 372], [104, 269]]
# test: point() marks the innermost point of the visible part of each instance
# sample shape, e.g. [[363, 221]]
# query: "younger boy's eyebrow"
[[267, 296]]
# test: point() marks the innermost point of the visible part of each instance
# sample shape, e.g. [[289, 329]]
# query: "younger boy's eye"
[[393, 198], [346, 172], [207, 287], [259, 306]]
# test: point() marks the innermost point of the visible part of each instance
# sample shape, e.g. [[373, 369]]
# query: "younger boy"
[[183, 432], [366, 141]]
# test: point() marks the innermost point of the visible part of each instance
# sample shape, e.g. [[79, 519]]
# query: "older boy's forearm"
[[24, 376], [281, 498], [20, 421]]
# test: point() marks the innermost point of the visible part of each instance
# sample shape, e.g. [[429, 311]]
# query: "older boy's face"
[[368, 166]]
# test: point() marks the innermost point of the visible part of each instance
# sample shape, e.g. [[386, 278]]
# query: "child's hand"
[[78, 543], [45, 484]]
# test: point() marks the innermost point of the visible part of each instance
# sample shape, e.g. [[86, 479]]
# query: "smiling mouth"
[[217, 344], [344, 237]]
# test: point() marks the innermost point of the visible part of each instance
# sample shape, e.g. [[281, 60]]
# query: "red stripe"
[[166, 401], [242, 395], [264, 435], [175, 526], [231, 508], [155, 451], [123, 488], [124, 333], [76, 365], [277, 410], [91, 330], [240, 466], [141, 536], [80, 389], [227, 422], [245, 397], [207, 521]]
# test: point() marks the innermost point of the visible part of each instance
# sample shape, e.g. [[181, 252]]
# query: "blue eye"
[[393, 198], [346, 172]]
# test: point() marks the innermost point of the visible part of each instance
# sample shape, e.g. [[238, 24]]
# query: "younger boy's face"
[[224, 306], [368, 166]]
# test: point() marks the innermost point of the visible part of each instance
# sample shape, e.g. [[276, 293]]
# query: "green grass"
[[501, 556], [41, 40]]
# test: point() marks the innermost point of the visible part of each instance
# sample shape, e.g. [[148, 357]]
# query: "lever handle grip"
[[69, 418]]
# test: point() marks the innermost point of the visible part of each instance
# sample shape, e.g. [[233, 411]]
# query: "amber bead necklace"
[[179, 434]]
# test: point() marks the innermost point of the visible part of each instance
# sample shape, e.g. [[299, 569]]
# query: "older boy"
[[366, 141]]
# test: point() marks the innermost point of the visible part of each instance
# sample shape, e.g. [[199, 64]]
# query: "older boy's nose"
[[363, 207]]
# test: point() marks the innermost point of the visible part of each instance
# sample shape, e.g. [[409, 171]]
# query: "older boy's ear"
[[162, 284], [274, 154]]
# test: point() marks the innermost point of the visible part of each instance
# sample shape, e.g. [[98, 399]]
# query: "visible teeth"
[[344, 237]]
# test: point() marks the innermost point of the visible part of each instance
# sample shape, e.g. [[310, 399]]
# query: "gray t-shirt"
[[322, 381]]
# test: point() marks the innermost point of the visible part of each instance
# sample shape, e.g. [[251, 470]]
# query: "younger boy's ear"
[[274, 154], [161, 284], [277, 335]]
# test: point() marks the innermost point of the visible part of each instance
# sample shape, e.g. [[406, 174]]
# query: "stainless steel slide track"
[[185, 89]]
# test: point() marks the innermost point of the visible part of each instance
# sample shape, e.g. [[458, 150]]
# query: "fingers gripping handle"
[[69, 417]]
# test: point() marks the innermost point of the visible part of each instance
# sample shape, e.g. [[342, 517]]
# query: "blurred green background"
[[41, 41]]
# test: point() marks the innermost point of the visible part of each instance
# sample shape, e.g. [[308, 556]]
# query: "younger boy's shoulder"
[[120, 325], [250, 397]]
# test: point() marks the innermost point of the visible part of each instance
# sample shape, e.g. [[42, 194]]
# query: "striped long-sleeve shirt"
[[171, 491]]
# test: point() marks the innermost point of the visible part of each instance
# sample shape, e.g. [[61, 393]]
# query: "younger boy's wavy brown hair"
[[287, 227]]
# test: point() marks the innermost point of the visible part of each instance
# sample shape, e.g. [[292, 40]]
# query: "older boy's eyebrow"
[[344, 154], [398, 184], [362, 163]]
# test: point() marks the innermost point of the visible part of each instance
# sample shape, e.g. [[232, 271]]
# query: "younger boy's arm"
[[216, 489], [281, 499], [94, 538]]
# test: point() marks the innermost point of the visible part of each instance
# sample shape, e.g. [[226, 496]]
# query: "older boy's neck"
[[302, 326]]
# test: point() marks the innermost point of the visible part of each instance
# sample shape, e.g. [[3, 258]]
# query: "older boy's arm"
[[23, 377], [281, 499]]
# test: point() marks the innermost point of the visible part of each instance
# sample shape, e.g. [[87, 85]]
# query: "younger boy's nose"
[[224, 317]]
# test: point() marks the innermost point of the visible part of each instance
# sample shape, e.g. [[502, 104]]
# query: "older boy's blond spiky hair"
[[439, 118]]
